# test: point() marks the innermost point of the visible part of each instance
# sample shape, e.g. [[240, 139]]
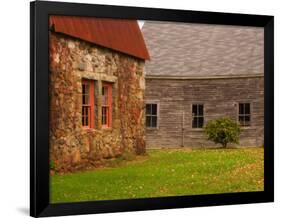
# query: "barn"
[[200, 72], [96, 90]]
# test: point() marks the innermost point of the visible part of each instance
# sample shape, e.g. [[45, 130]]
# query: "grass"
[[165, 173]]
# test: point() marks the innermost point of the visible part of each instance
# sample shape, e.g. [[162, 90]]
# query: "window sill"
[[152, 128], [197, 129], [89, 129], [106, 128], [247, 127]]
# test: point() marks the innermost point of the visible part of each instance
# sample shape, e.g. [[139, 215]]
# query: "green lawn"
[[165, 173]]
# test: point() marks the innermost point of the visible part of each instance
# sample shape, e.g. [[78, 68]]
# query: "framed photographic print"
[[142, 109]]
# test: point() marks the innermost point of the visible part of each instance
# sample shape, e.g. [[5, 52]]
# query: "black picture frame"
[[39, 118]]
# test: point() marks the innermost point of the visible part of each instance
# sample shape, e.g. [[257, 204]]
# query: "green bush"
[[223, 131]]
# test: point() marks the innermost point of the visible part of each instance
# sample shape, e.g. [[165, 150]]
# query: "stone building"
[[96, 90], [201, 72]]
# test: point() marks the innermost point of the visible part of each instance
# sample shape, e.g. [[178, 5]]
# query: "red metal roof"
[[117, 34]]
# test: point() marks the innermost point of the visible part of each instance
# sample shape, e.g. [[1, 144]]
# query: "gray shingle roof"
[[200, 50]]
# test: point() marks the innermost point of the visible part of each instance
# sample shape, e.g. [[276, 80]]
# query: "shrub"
[[223, 131]]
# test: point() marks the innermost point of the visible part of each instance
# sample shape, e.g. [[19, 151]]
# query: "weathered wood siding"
[[220, 98]]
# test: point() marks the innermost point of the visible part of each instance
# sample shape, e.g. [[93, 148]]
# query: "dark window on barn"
[[151, 115], [197, 115], [244, 115], [88, 103]]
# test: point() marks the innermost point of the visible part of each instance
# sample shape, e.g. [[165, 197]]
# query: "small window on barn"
[[106, 110], [88, 103], [151, 115], [197, 115], [244, 115]]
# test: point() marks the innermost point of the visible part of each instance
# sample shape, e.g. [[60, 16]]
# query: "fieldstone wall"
[[72, 146], [220, 97]]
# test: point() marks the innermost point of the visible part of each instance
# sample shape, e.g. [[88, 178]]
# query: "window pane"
[[86, 111], [247, 121], [247, 108], [148, 109], [104, 95], [85, 116], [247, 118], [83, 89], [104, 115], [154, 109], [200, 110], [85, 93], [194, 109], [200, 122], [148, 121], [86, 89], [86, 99], [241, 109], [153, 121], [83, 99], [86, 121], [194, 122], [241, 118]]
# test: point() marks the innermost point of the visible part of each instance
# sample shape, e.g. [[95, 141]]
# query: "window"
[[88, 103], [151, 115], [106, 118], [244, 115], [197, 116]]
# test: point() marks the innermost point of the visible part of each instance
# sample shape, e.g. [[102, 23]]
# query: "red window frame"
[[106, 108], [88, 103]]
